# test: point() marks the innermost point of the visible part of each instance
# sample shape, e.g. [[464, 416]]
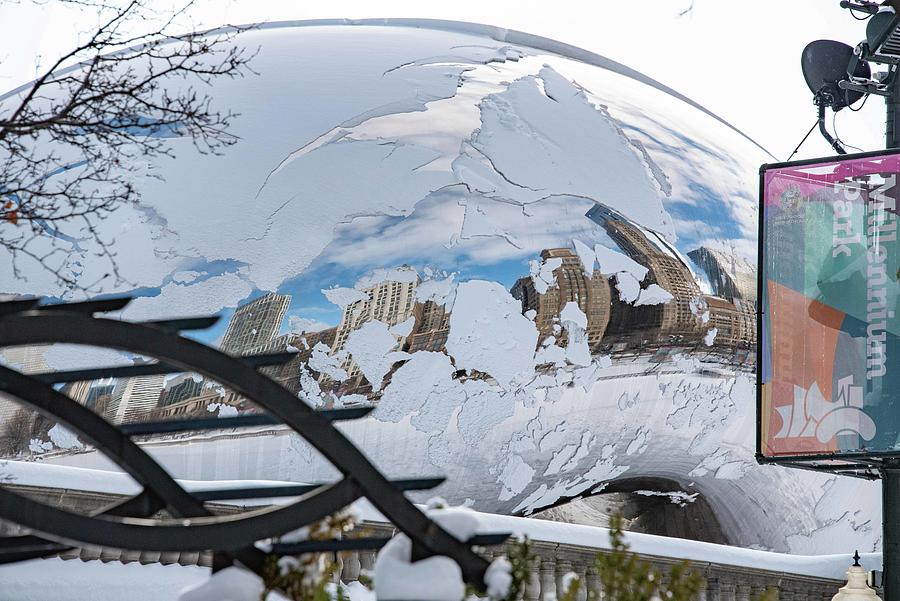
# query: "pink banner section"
[[808, 178]]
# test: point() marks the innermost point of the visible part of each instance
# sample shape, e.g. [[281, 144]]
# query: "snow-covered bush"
[[625, 577], [311, 576], [520, 560], [435, 578]]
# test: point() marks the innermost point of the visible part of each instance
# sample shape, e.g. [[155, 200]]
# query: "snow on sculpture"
[[542, 273], [372, 349], [489, 333], [613, 262], [424, 388], [344, 296], [653, 295], [64, 438], [435, 578]]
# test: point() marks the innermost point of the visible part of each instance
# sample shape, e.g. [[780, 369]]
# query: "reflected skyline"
[[416, 306]]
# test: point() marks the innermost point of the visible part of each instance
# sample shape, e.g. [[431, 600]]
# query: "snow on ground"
[[231, 584], [823, 566], [498, 578], [58, 580], [436, 578]]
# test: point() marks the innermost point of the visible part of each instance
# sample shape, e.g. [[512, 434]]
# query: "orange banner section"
[[804, 335]]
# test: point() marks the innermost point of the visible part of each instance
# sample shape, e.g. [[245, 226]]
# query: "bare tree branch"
[[688, 10], [73, 141]]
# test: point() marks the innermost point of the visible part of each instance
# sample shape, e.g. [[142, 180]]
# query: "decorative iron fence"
[[164, 518]]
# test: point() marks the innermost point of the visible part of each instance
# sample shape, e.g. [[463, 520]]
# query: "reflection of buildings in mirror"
[[612, 324], [255, 323], [592, 294]]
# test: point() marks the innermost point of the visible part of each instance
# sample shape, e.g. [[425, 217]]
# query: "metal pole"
[[890, 473], [890, 516], [892, 120]]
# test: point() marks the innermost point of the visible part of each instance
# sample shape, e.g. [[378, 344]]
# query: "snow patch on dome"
[[488, 333]]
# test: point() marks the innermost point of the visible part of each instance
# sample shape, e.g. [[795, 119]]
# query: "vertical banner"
[[830, 321]]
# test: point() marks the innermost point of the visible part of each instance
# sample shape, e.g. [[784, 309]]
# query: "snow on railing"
[[731, 572]]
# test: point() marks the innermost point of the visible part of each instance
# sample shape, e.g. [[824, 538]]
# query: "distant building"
[[592, 294], [668, 323], [134, 398], [180, 388], [255, 323], [730, 276], [432, 328]]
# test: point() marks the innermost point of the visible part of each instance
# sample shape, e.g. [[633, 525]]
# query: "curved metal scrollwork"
[[130, 524]]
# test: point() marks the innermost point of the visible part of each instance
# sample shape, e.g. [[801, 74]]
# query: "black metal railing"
[[134, 523]]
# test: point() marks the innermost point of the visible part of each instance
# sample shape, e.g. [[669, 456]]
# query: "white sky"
[[739, 59]]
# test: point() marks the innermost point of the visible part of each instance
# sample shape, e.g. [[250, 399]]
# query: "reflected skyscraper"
[[289, 374], [730, 276], [735, 322], [674, 322], [255, 323], [27, 359], [78, 391], [133, 398], [733, 281], [432, 327], [99, 396], [180, 388], [391, 301], [592, 294]]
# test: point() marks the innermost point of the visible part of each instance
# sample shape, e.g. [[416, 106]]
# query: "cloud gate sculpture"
[[537, 263]]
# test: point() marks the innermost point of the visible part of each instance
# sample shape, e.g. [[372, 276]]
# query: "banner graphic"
[[830, 362]]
